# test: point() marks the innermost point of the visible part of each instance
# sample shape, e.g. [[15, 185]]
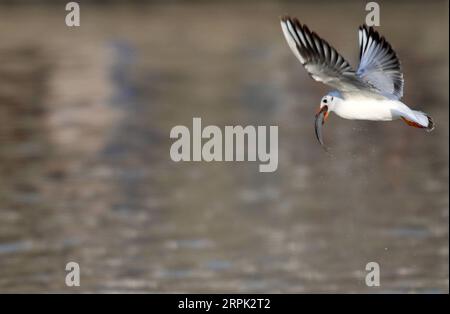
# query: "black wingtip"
[[431, 124], [287, 18], [293, 20], [378, 38]]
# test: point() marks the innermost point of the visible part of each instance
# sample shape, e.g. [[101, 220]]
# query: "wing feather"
[[379, 65], [319, 58]]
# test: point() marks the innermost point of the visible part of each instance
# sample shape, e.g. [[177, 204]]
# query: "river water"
[[85, 172]]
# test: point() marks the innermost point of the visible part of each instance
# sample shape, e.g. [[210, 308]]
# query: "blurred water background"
[[85, 173]]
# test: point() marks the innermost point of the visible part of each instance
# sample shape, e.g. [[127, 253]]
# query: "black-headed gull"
[[373, 92]]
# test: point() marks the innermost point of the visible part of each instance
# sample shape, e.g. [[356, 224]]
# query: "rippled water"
[[85, 173]]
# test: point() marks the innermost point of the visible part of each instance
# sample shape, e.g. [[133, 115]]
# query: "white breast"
[[368, 109]]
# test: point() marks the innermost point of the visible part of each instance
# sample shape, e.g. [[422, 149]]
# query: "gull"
[[372, 92]]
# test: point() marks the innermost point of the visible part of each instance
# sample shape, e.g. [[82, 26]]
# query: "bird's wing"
[[319, 58], [379, 65]]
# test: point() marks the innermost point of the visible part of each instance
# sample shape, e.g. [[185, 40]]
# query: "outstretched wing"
[[319, 58], [379, 65]]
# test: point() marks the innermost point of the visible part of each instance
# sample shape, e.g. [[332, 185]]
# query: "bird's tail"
[[422, 121]]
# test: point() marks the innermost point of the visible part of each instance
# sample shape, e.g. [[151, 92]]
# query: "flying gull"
[[373, 92]]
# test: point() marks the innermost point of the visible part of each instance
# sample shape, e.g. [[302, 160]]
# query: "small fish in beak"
[[321, 116]]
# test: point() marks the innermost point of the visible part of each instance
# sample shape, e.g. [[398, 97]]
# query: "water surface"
[[85, 173]]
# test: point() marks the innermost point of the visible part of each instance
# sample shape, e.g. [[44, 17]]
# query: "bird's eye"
[[325, 101]]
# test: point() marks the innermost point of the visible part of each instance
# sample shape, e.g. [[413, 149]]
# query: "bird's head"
[[327, 104]]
